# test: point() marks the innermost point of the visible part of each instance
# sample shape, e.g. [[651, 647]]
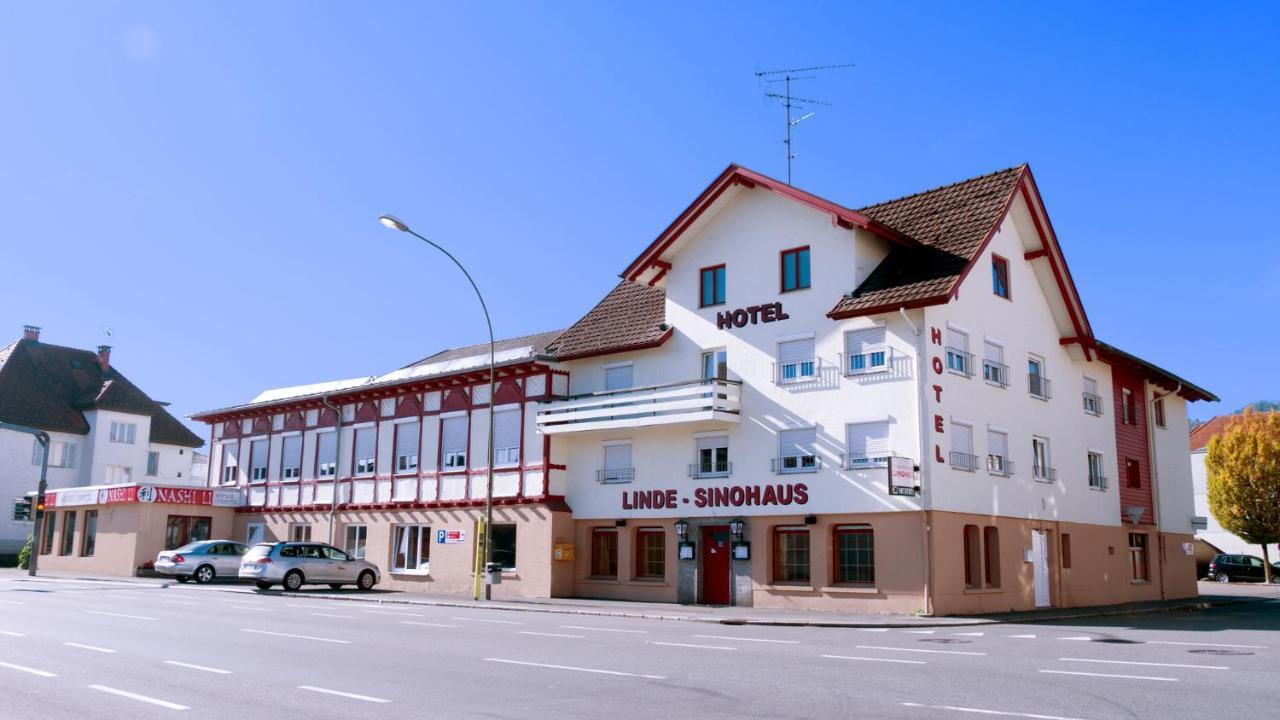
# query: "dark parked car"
[[1241, 568]]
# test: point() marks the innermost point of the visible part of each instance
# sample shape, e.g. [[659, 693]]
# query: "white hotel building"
[[718, 428]]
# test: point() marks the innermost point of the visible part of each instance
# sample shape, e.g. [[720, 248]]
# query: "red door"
[[715, 565]]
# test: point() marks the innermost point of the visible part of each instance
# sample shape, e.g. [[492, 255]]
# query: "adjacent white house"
[[103, 428], [1211, 537]]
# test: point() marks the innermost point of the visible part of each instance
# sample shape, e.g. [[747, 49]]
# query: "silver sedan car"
[[294, 564], [203, 560]]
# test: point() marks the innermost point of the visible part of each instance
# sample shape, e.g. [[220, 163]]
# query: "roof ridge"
[[975, 178]]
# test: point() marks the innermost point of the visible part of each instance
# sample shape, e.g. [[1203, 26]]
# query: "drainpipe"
[[337, 457], [1155, 477], [926, 528]]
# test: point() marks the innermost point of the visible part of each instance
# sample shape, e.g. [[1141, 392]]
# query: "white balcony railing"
[[681, 402]]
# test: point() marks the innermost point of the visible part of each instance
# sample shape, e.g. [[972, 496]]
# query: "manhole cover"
[[1207, 651], [944, 640]]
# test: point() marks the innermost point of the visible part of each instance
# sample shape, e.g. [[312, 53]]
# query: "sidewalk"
[[1214, 596]]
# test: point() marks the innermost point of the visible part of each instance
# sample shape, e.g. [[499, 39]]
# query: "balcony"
[[964, 461], [999, 465], [793, 464], [682, 402], [995, 373], [864, 462], [720, 469], [1092, 404], [610, 476], [1039, 387], [960, 361], [1044, 474], [1097, 481]]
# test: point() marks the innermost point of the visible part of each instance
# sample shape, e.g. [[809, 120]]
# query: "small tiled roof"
[[49, 387], [538, 341], [952, 222], [1154, 373], [631, 317], [1201, 436]]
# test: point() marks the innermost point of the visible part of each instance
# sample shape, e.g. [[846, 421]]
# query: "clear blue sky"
[[205, 180]]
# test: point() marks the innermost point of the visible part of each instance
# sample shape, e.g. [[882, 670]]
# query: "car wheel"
[[293, 581], [366, 580], [1222, 578], [263, 585], [181, 578], [336, 586], [205, 574]]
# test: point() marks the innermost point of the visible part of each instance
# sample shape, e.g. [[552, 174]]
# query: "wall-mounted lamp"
[[682, 529], [735, 527]]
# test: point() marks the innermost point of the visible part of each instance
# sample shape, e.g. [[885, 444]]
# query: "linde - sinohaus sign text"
[[755, 314]]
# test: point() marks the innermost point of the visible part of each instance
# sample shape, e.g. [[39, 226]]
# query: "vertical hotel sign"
[[939, 425]]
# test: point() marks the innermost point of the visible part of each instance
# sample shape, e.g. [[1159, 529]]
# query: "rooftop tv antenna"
[[791, 102]]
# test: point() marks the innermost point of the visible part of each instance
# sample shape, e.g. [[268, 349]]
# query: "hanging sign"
[[902, 476], [451, 537]]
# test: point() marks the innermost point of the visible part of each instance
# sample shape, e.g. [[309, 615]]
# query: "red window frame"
[[836, 533], [999, 276], [641, 567], [717, 289], [355, 443], [778, 533], [972, 559], [782, 269], [604, 567]]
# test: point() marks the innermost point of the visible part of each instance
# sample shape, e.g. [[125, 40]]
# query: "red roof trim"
[[737, 175]]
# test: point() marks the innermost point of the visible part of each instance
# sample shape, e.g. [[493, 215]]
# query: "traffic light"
[[22, 509], [39, 507]]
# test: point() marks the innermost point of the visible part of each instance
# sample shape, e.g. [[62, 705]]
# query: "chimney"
[[31, 332], [104, 358]]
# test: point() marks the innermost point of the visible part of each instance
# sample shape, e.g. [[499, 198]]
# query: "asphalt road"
[[72, 649]]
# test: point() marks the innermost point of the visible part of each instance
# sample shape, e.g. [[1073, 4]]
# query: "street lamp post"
[[395, 223]]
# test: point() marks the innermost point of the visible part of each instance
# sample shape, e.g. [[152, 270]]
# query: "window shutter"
[[407, 438], [993, 352], [1091, 386], [365, 439], [869, 439], [326, 447], [957, 340], [711, 443], [618, 378], [506, 429], [860, 342], [617, 457], [961, 438], [997, 443], [454, 435], [795, 351], [292, 456], [800, 441]]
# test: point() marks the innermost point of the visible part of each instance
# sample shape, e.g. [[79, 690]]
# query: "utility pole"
[[790, 102], [42, 437]]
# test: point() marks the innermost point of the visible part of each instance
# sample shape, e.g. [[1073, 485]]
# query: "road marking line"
[[919, 632], [94, 648], [389, 612], [182, 602], [1024, 637], [339, 693], [197, 667], [888, 660], [1105, 675], [1152, 664], [601, 629], [426, 624], [1226, 645], [308, 606], [11, 633], [577, 669], [746, 639], [12, 602], [547, 634], [25, 669], [331, 615], [246, 607], [919, 650], [140, 698], [873, 629], [1085, 638], [297, 637], [119, 615], [690, 645], [981, 711], [969, 634], [496, 622]]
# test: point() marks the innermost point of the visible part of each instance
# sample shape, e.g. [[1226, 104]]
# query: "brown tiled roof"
[[631, 317], [49, 387], [538, 341], [1154, 373], [1201, 436], [952, 222]]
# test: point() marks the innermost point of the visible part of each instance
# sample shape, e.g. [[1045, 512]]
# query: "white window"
[[357, 537], [994, 370], [962, 457], [713, 457], [299, 532], [715, 365], [153, 463], [866, 351], [617, 463], [959, 360], [258, 460], [506, 437], [1037, 383], [230, 463], [1092, 402], [1129, 415], [366, 447], [411, 548], [796, 361], [998, 462], [1040, 469], [868, 444], [291, 457], [123, 432], [61, 454], [618, 377], [407, 447], [119, 474], [1097, 479], [326, 454], [453, 443], [797, 450]]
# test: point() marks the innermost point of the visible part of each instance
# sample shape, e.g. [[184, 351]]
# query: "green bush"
[[24, 555]]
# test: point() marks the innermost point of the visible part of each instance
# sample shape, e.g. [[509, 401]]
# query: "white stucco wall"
[[1175, 493]]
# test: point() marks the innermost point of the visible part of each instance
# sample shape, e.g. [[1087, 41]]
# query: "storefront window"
[[412, 549], [651, 554], [90, 533], [68, 533], [46, 533], [357, 535], [855, 555], [791, 555], [604, 552], [504, 546], [184, 529]]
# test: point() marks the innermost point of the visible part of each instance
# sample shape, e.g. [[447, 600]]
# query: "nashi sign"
[[144, 494], [902, 476]]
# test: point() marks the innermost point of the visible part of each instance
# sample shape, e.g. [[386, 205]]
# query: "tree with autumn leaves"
[[1243, 465]]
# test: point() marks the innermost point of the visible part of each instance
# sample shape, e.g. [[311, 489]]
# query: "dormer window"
[[795, 269]]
